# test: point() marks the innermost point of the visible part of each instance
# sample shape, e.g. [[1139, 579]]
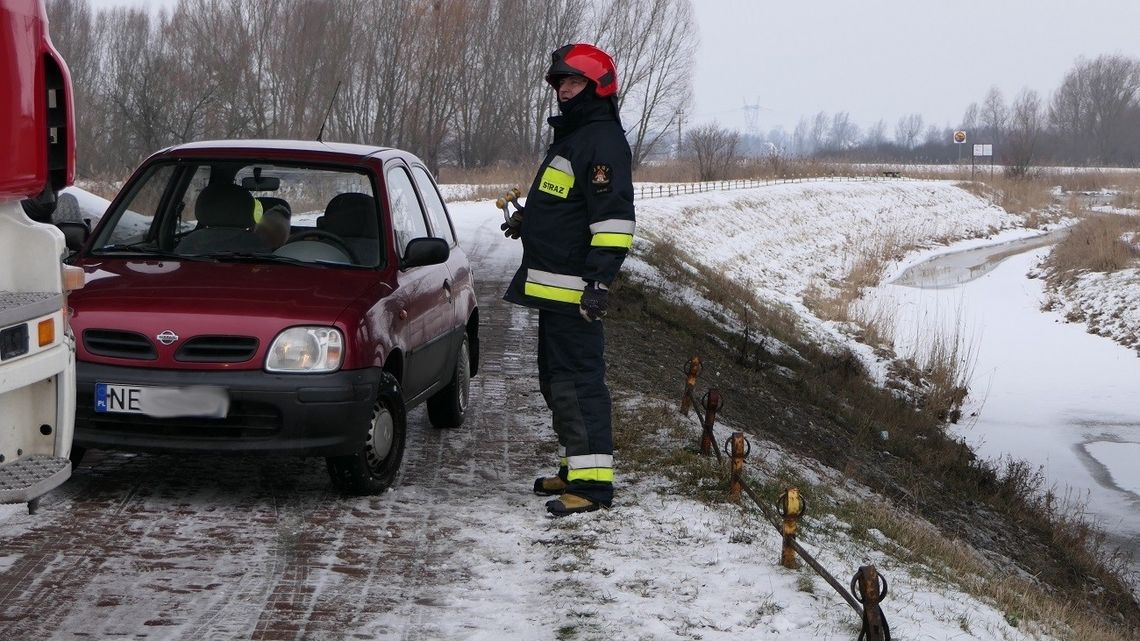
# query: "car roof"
[[303, 149]]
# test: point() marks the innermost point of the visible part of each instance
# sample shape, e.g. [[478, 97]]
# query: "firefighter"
[[576, 228]]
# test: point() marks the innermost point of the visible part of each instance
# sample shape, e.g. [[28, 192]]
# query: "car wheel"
[[374, 468], [448, 407]]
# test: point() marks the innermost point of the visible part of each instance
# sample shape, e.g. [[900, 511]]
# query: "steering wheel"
[[321, 235]]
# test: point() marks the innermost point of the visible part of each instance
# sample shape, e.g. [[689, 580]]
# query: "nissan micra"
[[276, 297]]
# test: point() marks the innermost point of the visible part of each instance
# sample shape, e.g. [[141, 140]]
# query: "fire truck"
[[37, 350]]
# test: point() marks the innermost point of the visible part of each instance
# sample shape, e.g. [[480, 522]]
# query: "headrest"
[[351, 215], [269, 202], [225, 205]]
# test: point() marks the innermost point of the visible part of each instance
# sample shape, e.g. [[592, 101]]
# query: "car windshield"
[[234, 210]]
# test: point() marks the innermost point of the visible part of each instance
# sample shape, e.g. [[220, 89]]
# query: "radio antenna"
[[328, 111]]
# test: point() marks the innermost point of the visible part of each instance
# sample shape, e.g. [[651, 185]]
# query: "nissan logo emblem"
[[167, 337]]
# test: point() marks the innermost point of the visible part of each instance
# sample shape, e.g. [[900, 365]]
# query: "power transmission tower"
[[752, 117], [680, 119]]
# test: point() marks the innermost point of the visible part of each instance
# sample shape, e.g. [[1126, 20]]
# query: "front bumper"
[[304, 414]]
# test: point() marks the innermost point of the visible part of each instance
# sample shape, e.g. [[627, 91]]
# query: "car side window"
[[437, 212], [407, 216]]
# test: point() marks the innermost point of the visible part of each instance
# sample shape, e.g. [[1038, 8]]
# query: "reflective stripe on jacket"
[[578, 222]]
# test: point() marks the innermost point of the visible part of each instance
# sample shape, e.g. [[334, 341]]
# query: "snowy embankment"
[[1106, 303], [784, 241]]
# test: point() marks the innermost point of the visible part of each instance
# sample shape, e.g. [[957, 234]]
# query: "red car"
[[274, 296]]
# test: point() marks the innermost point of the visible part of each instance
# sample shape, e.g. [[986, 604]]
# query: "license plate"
[[162, 402]]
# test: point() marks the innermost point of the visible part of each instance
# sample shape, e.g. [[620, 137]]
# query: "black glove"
[[595, 300], [513, 227]]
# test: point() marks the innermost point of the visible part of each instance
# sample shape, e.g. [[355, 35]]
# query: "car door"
[[424, 290], [458, 268]]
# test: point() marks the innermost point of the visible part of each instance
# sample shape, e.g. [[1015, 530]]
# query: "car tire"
[[448, 407], [373, 469]]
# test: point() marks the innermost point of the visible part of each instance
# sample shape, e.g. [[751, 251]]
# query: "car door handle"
[[447, 288]]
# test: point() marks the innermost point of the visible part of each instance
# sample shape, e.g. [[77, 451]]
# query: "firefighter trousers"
[[571, 376]]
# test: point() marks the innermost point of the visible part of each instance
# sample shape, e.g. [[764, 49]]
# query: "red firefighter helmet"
[[587, 61]]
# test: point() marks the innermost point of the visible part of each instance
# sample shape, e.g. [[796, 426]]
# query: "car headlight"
[[306, 349]]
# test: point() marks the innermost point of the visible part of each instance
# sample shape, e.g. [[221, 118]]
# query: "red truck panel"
[[36, 121]]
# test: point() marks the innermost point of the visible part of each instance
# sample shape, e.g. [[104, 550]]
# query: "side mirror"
[[74, 234], [425, 251]]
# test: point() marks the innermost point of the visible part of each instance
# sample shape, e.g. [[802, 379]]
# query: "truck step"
[[26, 479], [17, 307]]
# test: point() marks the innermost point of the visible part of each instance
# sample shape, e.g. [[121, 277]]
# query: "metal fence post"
[[690, 382], [712, 404], [791, 507], [869, 593], [737, 484]]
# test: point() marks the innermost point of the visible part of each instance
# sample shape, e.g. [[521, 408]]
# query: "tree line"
[[1091, 119], [457, 82]]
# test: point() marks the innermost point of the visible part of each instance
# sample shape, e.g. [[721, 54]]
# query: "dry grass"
[[490, 182], [957, 563], [1031, 196], [733, 303], [1094, 245]]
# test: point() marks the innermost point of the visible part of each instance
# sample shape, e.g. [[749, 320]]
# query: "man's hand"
[[512, 228], [595, 301]]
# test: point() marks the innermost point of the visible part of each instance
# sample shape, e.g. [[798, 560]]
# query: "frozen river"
[[1041, 390]]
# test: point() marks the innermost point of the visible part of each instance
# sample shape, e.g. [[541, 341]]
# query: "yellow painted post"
[[791, 507], [690, 383]]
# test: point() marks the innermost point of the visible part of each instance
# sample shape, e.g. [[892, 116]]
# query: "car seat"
[[352, 217], [225, 214]]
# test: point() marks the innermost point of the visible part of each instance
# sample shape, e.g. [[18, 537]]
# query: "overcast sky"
[[884, 58], [887, 58]]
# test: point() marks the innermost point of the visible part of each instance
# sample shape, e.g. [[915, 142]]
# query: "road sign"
[[959, 137], [983, 150]]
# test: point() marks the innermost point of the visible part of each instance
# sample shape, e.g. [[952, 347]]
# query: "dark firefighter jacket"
[[578, 221]]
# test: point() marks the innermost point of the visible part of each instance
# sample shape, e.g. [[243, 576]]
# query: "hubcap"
[[380, 437]]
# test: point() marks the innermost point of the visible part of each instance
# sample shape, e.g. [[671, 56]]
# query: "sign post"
[[959, 139], [983, 151]]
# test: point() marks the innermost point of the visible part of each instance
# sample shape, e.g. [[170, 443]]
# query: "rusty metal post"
[[690, 382], [712, 404], [791, 507], [737, 484], [869, 593]]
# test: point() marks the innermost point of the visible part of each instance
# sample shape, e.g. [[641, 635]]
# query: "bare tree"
[[654, 44], [1092, 108], [842, 134], [817, 134], [876, 135], [969, 122], [801, 137], [934, 136], [907, 131], [993, 116], [714, 148], [1026, 122]]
